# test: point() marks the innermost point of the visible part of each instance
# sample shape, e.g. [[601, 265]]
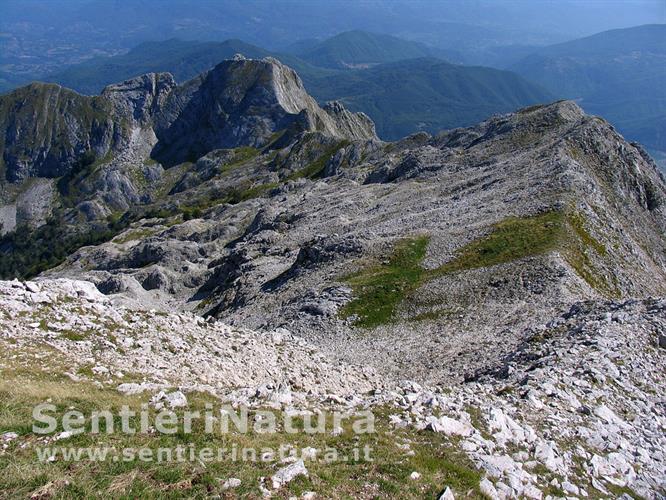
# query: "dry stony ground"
[[492, 265], [576, 411], [511, 222]]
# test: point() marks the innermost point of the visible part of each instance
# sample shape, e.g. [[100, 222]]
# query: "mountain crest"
[[245, 102], [240, 102]]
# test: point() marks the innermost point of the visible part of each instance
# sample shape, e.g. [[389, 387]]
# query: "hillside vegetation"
[[427, 94], [361, 49]]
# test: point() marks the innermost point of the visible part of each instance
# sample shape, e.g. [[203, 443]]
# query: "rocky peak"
[[245, 102], [357, 126], [139, 98], [240, 102]]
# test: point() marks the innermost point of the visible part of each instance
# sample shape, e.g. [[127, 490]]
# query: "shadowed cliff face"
[[244, 103], [45, 129]]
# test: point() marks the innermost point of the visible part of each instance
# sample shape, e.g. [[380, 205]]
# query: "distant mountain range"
[[406, 86], [360, 49], [404, 90], [427, 94], [183, 59], [618, 74]]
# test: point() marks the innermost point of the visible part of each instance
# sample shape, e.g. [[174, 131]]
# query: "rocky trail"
[[577, 411]]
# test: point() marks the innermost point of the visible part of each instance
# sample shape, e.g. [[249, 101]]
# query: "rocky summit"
[[494, 290], [49, 132]]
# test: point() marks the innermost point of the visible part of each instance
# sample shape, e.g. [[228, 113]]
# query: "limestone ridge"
[[517, 218], [45, 130], [505, 261], [245, 102]]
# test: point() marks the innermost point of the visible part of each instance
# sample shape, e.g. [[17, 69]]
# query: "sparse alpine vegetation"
[[439, 461], [379, 290], [512, 239], [475, 255]]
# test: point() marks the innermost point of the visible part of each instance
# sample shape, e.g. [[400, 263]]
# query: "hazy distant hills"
[[618, 74], [414, 92], [354, 49], [404, 87], [427, 94], [183, 59]]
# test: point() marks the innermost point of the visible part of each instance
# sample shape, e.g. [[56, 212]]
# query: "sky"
[[276, 21], [40, 36]]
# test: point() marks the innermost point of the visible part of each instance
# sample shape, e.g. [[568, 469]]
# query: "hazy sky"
[[275, 23]]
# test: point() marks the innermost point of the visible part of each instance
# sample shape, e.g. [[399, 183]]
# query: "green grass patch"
[[577, 223], [512, 239], [438, 461], [433, 315], [381, 288], [75, 336], [243, 154], [579, 251], [136, 234], [249, 193]]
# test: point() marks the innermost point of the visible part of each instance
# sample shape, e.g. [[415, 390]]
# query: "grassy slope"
[[380, 289], [26, 382]]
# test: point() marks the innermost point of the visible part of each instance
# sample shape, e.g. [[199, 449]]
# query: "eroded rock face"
[[140, 98], [46, 128], [244, 102], [49, 131], [284, 257]]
